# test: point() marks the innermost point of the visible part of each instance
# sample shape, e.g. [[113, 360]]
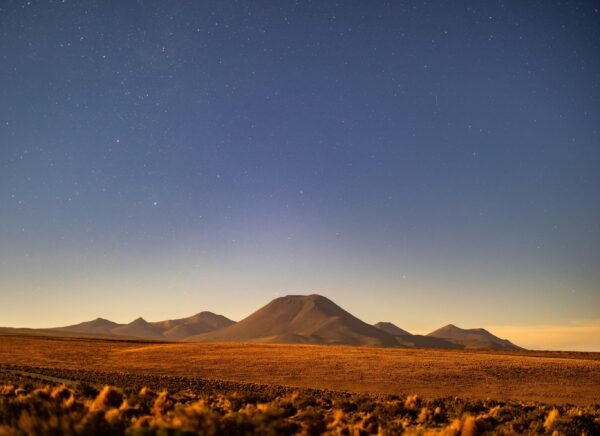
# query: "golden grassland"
[[523, 376]]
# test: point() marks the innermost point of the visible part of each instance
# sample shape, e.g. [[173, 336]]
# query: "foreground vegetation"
[[84, 409]]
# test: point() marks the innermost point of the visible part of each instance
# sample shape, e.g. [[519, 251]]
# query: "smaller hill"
[[406, 339], [139, 328], [473, 338], [202, 322], [174, 329]]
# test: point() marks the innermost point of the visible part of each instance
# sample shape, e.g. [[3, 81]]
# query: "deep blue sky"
[[420, 162]]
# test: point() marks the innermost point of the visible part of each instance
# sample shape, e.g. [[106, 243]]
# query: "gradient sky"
[[417, 162]]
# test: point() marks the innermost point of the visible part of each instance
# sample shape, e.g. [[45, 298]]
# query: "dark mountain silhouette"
[[473, 338], [310, 319]]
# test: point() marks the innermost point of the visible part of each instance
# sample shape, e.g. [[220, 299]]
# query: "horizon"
[[416, 165]]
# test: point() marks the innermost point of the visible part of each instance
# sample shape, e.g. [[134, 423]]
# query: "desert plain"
[[552, 377], [53, 384]]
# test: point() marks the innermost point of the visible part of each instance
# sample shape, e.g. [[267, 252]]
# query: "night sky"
[[416, 162]]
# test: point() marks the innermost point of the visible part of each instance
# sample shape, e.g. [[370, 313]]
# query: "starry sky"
[[419, 162]]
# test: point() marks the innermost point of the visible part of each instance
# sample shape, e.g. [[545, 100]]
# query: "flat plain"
[[549, 377]]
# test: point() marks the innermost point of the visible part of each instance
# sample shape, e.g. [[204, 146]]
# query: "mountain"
[[174, 330], [294, 319], [139, 328], [392, 329], [473, 338], [97, 326], [202, 322], [407, 339], [301, 319]]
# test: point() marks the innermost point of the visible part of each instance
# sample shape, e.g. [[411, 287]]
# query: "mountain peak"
[[139, 328], [99, 321], [202, 322], [204, 314], [139, 320], [302, 297]]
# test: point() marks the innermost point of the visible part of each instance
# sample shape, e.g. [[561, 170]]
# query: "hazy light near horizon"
[[576, 336]]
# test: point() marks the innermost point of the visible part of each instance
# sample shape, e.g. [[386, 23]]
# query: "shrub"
[[62, 410]]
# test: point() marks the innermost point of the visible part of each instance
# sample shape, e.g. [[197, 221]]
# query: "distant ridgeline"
[[294, 319]]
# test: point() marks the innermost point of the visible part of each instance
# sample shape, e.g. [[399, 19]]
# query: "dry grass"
[[83, 410], [548, 377]]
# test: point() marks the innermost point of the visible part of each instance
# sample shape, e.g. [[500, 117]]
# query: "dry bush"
[[551, 419], [62, 410]]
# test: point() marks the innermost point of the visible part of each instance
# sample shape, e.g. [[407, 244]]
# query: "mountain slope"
[[310, 319], [473, 338], [420, 341]]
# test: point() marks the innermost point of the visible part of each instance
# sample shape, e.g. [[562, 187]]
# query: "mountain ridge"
[[291, 319], [140, 328], [407, 339], [476, 338]]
